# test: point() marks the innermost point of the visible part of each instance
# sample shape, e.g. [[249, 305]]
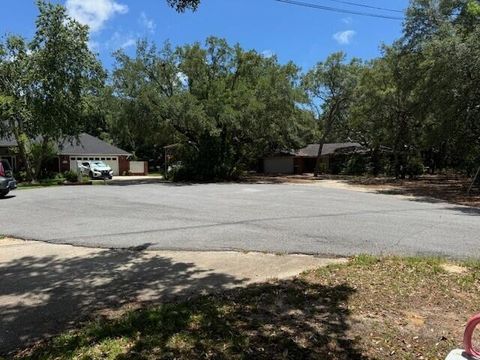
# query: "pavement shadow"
[[468, 210], [129, 182], [6, 197], [42, 296], [292, 319]]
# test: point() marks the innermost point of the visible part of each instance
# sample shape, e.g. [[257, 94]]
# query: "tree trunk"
[[22, 151], [41, 157], [376, 161], [319, 157], [328, 128]]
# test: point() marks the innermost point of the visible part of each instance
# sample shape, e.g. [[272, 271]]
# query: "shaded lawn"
[[368, 309]]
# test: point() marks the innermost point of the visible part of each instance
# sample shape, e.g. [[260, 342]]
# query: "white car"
[[95, 169]]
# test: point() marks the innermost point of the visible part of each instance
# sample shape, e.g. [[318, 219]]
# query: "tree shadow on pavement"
[[292, 319], [42, 296]]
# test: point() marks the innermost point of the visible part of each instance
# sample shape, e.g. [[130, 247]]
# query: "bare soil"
[[449, 188]]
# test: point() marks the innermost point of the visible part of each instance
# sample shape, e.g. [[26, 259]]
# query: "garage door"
[[111, 161], [278, 165]]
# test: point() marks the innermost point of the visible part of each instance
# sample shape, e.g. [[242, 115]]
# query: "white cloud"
[[128, 42], [120, 40], [148, 23], [344, 37], [268, 53], [94, 13]]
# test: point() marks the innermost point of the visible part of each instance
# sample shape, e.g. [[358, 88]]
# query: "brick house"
[[303, 160], [87, 147]]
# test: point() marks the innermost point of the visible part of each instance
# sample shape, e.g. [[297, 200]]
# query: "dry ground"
[[370, 308], [450, 188], [46, 289]]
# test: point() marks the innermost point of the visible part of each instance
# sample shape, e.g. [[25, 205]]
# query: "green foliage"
[[43, 84], [226, 107], [364, 260], [415, 167], [182, 5], [356, 165], [223, 105], [71, 176], [330, 87]]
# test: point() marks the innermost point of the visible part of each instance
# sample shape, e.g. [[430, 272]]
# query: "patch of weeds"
[[370, 308], [467, 281], [365, 260], [471, 278], [472, 264], [289, 319], [425, 265]]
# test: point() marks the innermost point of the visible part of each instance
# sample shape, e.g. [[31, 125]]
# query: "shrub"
[[20, 176], [415, 167], [356, 165], [71, 176]]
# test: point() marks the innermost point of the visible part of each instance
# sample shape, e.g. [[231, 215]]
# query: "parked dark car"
[[7, 182]]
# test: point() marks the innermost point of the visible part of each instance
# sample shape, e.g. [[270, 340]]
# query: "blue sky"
[[303, 35]]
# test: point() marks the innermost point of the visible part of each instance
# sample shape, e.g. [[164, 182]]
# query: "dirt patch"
[[454, 269], [449, 188]]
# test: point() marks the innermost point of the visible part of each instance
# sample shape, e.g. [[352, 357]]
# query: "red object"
[[468, 336], [2, 170]]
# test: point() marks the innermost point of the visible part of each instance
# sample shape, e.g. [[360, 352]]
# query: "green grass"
[[41, 183], [49, 182], [155, 174], [368, 308]]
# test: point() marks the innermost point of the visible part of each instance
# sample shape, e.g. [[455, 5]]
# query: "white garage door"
[[278, 165], [112, 161]]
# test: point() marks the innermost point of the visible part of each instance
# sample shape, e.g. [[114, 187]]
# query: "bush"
[[415, 167], [71, 176], [356, 165], [179, 173], [20, 176]]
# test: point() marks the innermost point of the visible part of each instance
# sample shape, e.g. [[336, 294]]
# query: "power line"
[[338, 10], [367, 6]]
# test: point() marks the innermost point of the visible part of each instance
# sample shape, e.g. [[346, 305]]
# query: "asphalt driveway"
[[280, 218]]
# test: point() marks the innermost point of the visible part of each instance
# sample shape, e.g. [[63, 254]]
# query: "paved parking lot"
[[275, 218]]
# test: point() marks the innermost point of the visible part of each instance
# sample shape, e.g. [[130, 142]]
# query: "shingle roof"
[[89, 145], [328, 149], [85, 145]]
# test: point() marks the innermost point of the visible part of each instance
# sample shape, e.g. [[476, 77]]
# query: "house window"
[[103, 158], [114, 158], [91, 158], [97, 158], [109, 159]]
